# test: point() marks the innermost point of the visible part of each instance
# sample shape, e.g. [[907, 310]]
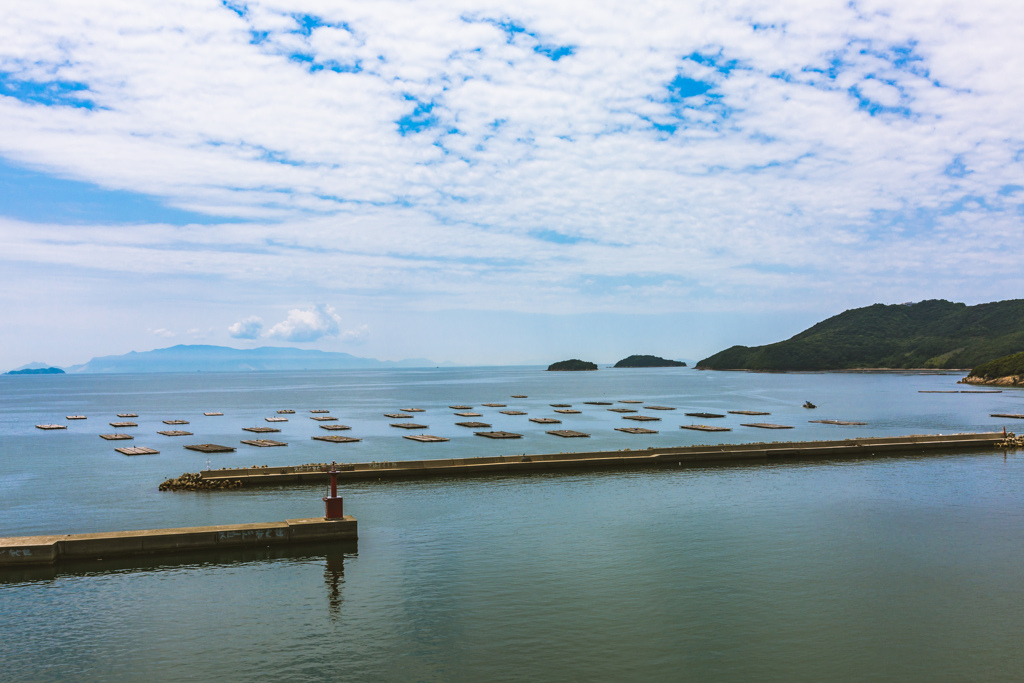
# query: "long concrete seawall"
[[846, 448], [18, 551]]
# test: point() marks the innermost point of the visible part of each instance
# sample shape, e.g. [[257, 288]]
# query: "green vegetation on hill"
[[36, 371], [1007, 366], [573, 364], [929, 334], [649, 362]]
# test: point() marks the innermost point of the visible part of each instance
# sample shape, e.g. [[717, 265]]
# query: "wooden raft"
[[511, 412], [333, 438], [621, 410], [766, 425], [75, 417], [276, 419], [568, 433], [424, 438], [175, 422], [117, 437], [123, 424], [263, 443], [395, 416], [837, 422], [748, 412], [286, 412], [406, 425], [473, 425], [500, 435], [137, 450], [212, 414], [210, 448], [49, 427], [324, 418], [335, 428], [469, 414], [635, 430], [567, 411], [545, 420], [494, 405], [260, 430], [412, 410], [127, 414], [175, 432], [705, 428], [642, 418], [1014, 416]]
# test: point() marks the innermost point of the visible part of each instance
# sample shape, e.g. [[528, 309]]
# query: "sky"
[[496, 182]]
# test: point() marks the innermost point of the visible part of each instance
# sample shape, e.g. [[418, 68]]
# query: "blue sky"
[[489, 182]]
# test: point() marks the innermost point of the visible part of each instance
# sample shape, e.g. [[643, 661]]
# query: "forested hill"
[[928, 334]]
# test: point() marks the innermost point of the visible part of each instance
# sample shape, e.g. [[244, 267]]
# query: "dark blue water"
[[904, 568]]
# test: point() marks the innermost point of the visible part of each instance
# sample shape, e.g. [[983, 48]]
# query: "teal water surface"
[[906, 568]]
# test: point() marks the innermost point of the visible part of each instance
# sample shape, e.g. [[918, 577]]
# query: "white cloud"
[[161, 332], [307, 325], [356, 334], [247, 328], [575, 184]]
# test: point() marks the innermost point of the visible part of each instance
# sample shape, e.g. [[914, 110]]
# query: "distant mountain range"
[[928, 334], [203, 358]]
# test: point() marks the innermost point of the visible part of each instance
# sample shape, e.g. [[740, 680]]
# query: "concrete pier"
[[18, 551], [697, 455]]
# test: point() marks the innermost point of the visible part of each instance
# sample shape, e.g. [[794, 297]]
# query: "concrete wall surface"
[[18, 551]]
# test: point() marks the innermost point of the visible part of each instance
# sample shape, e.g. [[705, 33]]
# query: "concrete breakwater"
[[18, 551], [703, 454]]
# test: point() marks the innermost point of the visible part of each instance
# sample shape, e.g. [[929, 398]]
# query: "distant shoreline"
[[864, 371]]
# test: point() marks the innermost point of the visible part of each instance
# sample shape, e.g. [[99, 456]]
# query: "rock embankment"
[[1009, 381], [193, 481], [1011, 441]]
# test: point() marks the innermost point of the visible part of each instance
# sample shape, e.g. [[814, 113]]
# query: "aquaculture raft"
[[286, 412], [623, 410], [332, 438], [276, 419], [748, 412], [117, 437], [75, 417], [766, 425], [213, 414], [335, 428], [175, 432], [407, 425], [210, 448], [324, 418], [473, 425], [263, 443], [137, 450], [469, 414], [597, 403], [519, 396], [545, 420], [494, 405], [461, 407], [511, 412], [642, 418], [412, 410], [49, 427], [705, 428], [425, 438], [127, 414], [123, 424], [567, 433], [629, 401], [658, 408], [567, 411], [704, 416], [320, 410], [1010, 415], [260, 430], [500, 435], [175, 422], [837, 422], [394, 416], [635, 430]]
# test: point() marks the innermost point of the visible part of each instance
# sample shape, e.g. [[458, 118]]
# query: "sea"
[[900, 568]]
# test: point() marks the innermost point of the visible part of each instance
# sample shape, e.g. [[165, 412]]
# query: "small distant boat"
[[808, 404]]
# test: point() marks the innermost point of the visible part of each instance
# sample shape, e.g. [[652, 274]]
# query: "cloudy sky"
[[498, 182]]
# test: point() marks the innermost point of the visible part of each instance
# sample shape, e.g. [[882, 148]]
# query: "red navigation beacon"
[[332, 504]]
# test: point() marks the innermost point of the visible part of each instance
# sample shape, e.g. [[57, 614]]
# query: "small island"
[[1007, 371], [637, 361], [36, 371], [574, 364]]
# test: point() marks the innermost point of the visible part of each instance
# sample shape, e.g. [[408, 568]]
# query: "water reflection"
[[334, 577]]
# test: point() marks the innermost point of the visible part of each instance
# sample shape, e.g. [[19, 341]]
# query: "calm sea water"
[[908, 569]]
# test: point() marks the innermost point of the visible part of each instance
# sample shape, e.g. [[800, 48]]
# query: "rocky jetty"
[[1011, 441], [193, 481]]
